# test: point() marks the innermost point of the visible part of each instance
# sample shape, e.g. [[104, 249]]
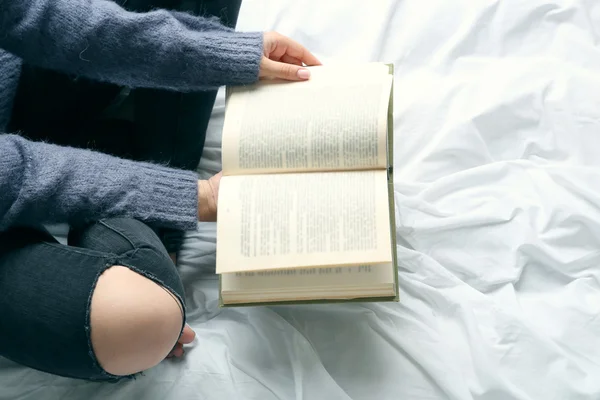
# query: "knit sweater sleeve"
[[43, 183], [100, 40]]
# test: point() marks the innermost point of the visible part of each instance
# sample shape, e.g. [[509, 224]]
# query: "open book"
[[306, 204]]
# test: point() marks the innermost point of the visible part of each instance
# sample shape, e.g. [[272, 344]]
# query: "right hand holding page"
[[284, 58]]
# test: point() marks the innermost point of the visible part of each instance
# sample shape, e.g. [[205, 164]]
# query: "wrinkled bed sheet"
[[497, 184]]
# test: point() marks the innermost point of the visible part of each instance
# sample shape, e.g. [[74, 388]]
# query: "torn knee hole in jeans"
[[144, 274]]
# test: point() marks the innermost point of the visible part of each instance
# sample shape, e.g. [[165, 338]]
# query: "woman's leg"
[[164, 126], [151, 125], [108, 306], [64, 110], [171, 127]]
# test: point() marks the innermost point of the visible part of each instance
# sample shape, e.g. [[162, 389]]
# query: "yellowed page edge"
[[299, 297], [307, 278]]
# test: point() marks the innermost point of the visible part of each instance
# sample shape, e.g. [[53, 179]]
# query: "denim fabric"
[[46, 290], [46, 287]]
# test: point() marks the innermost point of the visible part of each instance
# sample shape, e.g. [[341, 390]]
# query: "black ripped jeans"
[[46, 287], [46, 291]]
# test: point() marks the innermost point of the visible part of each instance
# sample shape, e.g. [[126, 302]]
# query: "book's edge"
[[228, 92], [316, 301], [221, 302], [390, 175]]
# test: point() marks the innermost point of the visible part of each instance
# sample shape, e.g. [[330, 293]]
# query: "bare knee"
[[134, 322]]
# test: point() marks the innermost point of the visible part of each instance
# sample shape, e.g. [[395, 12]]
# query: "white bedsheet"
[[497, 181]]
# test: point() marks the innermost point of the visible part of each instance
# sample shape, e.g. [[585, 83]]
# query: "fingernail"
[[303, 73]]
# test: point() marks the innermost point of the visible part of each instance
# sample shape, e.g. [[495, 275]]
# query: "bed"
[[497, 188]]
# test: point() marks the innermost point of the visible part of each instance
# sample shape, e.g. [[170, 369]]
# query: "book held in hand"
[[306, 202]]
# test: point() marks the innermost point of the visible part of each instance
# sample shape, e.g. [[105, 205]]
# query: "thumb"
[[290, 72]]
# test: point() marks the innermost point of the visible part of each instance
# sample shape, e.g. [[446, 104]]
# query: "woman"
[[73, 74]]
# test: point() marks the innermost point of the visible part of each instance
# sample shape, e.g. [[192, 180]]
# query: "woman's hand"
[[208, 198], [284, 58]]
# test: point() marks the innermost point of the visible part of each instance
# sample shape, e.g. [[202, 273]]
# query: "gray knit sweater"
[[97, 39]]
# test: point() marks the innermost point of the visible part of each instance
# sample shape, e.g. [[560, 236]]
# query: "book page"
[[337, 120], [359, 276], [302, 220]]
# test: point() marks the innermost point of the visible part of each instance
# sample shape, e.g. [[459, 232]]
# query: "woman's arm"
[[100, 40], [43, 183]]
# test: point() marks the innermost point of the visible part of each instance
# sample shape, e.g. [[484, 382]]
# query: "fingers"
[[291, 60], [215, 183], [280, 54], [216, 179], [187, 336], [177, 351], [281, 70], [285, 58], [207, 200], [296, 50]]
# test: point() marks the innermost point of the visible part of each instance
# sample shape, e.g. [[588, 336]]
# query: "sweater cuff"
[[169, 197], [234, 57]]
